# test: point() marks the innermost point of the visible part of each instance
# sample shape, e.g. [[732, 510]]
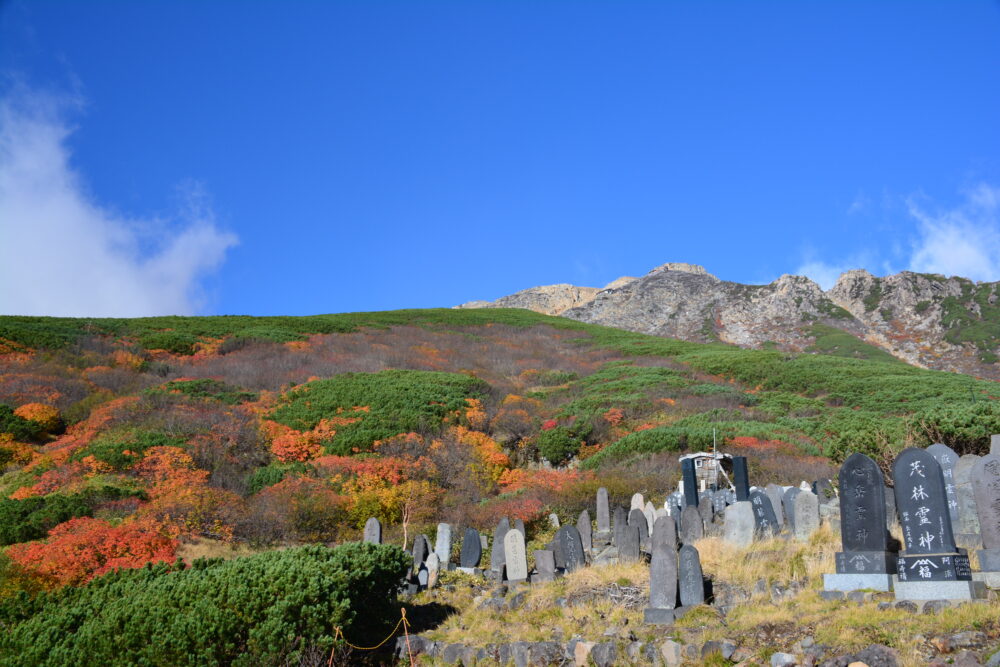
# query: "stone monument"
[[931, 568]]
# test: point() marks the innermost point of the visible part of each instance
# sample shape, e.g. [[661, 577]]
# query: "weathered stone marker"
[[650, 511], [691, 528], [515, 557], [628, 549], [824, 491], [568, 538], [373, 531], [763, 513], [519, 526], [986, 486], [690, 482], [739, 524], [637, 518], [603, 512], [788, 505], [806, 513], [692, 583], [931, 560], [967, 531], [442, 545], [586, 531], [433, 565], [662, 574], [741, 480], [995, 444], [419, 551], [705, 508], [545, 566], [497, 553], [638, 503], [621, 521], [472, 549], [776, 494], [947, 458]]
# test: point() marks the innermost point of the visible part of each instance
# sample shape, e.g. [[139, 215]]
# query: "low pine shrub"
[[390, 402], [265, 609]]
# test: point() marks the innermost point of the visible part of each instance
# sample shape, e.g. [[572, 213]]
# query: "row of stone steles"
[[944, 504]]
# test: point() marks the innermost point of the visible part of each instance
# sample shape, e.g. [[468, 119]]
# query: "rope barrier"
[[339, 633]]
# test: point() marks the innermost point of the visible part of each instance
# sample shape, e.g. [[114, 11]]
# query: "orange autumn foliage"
[[179, 494], [127, 359], [40, 413], [519, 479], [475, 415], [614, 416], [80, 549]]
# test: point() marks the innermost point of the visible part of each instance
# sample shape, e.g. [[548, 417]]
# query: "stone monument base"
[[866, 562], [654, 616], [939, 590], [989, 560], [541, 577], [857, 582], [934, 567]]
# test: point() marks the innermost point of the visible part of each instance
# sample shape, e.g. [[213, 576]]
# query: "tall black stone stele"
[[741, 480], [922, 504], [690, 483], [863, 532]]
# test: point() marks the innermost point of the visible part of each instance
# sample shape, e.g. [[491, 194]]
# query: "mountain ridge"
[[926, 320]]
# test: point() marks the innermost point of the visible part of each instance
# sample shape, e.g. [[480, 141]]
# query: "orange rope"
[[339, 633]]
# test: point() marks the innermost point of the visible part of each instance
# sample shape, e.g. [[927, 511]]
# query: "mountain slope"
[[926, 320]]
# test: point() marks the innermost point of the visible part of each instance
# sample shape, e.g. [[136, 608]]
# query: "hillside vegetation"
[[129, 442]]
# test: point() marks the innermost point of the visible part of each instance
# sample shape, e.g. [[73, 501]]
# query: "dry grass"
[[201, 547], [598, 598], [774, 560]]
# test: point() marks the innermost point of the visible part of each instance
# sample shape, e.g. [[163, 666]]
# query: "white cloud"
[[823, 274], [62, 253], [962, 241]]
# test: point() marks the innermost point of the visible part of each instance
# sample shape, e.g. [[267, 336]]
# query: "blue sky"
[[298, 158]]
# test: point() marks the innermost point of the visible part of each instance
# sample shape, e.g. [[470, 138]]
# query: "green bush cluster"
[[19, 427], [399, 401], [32, 518], [179, 333], [122, 449], [271, 474], [620, 385], [265, 609], [205, 389], [557, 444]]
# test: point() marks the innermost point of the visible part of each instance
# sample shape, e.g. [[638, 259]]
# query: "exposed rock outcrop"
[[926, 320]]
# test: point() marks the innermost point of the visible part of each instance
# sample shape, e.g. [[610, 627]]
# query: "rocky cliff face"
[[924, 319]]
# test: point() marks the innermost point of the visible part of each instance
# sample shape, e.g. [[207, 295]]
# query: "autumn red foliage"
[[80, 549]]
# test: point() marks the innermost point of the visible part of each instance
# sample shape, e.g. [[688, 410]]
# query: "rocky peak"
[[683, 268], [948, 323]]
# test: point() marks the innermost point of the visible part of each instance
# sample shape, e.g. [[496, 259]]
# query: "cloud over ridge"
[[963, 240], [62, 253]]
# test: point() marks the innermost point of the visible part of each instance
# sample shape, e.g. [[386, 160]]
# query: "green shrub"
[[32, 518], [398, 402], [557, 444], [172, 341], [265, 609], [19, 427], [269, 475], [206, 389], [122, 449]]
